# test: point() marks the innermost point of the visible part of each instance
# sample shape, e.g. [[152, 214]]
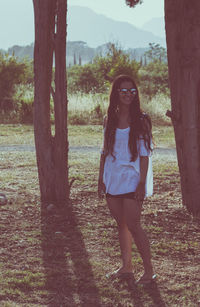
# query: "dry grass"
[[87, 108], [84, 109], [79, 135], [90, 108], [157, 108], [11, 134], [81, 103]]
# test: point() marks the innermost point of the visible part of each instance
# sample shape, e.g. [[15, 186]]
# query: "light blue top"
[[122, 176]]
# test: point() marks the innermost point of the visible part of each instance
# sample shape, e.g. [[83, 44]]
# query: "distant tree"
[[125, 66], [22, 51], [145, 60], [133, 3], [116, 62], [156, 53], [96, 76], [85, 79], [75, 58], [154, 79], [79, 60], [141, 61]]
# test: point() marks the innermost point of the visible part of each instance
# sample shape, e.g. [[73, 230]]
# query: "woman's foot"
[[120, 273], [147, 278], [126, 269]]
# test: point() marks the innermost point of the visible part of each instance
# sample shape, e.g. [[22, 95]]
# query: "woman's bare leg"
[[132, 213], [125, 238]]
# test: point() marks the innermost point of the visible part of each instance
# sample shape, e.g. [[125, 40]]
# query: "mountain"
[[83, 25], [16, 23], [96, 29], [156, 26], [89, 32]]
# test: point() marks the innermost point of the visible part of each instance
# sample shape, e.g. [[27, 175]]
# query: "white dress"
[[122, 176]]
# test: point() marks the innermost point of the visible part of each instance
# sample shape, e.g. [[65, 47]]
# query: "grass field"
[[79, 135], [61, 259], [84, 109], [91, 108]]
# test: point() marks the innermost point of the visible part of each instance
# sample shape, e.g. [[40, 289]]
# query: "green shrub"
[[85, 79], [154, 79], [96, 77], [12, 73], [26, 112], [156, 108], [23, 103]]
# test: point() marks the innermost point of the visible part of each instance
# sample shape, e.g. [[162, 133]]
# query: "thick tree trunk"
[[51, 151], [182, 19]]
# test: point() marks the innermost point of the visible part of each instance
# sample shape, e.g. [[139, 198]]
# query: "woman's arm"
[[101, 186], [101, 167], [144, 153], [144, 162], [140, 191]]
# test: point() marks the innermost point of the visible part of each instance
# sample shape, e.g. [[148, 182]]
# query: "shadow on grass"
[[137, 294], [153, 292], [69, 277]]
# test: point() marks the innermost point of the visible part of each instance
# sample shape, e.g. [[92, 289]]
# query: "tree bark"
[[182, 20], [60, 105], [51, 151]]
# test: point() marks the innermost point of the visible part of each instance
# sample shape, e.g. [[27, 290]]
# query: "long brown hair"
[[140, 124]]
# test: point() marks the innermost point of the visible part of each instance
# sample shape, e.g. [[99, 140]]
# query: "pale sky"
[[118, 10], [17, 21]]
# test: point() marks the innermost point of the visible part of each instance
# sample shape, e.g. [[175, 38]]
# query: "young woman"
[[125, 173]]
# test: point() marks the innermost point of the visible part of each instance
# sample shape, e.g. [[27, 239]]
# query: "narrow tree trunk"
[[182, 19], [51, 151], [60, 105]]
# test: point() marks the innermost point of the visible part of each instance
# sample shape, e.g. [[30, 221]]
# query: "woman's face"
[[127, 93]]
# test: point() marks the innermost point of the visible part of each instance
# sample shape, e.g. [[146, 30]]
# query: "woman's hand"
[[140, 191], [101, 188]]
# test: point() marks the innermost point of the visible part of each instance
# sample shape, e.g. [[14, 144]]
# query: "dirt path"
[[159, 151]]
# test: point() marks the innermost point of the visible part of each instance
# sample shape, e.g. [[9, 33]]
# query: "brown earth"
[[60, 258]]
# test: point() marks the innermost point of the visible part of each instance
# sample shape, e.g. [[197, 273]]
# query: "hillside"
[[96, 29], [89, 33], [156, 26], [84, 25]]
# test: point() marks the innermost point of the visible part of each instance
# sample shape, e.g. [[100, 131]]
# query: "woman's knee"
[[116, 210], [119, 218], [121, 223], [134, 227], [132, 212]]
